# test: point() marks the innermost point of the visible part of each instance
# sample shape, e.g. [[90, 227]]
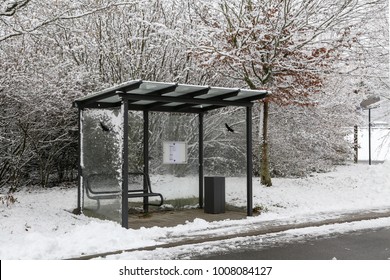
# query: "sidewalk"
[[175, 217], [241, 230]]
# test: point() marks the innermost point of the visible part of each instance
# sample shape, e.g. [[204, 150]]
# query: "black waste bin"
[[214, 195]]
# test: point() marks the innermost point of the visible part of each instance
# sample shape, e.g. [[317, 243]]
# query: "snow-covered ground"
[[259, 242], [40, 224], [380, 143]]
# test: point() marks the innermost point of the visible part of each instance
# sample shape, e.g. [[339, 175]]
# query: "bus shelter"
[[105, 182]]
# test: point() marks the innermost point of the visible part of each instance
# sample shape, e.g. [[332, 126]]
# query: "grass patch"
[[258, 209], [8, 199]]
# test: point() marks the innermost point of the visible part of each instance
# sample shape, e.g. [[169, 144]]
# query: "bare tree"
[[283, 46]]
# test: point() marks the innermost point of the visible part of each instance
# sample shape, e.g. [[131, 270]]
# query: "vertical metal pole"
[[80, 176], [355, 143], [201, 159], [125, 165], [146, 159], [369, 136], [249, 163]]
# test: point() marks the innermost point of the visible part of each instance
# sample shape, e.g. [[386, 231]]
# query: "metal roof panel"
[[156, 96]]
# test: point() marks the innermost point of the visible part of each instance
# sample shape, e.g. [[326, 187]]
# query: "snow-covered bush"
[[54, 52]]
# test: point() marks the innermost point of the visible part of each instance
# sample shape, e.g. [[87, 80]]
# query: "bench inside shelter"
[[107, 186]]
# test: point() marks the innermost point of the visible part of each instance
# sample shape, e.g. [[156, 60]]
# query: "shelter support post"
[[369, 136], [80, 181], [146, 159], [249, 164], [125, 164], [201, 159]]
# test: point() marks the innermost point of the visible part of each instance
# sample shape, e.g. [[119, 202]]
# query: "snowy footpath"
[[40, 224]]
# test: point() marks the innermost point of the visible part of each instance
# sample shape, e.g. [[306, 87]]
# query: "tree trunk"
[[265, 176]]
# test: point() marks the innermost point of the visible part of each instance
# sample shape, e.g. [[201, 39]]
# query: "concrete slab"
[[177, 217]]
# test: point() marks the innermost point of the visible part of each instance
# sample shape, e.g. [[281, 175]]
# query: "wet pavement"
[[373, 244], [177, 217]]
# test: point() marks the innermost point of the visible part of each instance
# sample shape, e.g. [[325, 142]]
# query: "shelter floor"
[[177, 217]]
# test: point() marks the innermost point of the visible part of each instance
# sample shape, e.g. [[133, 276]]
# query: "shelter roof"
[[169, 97]]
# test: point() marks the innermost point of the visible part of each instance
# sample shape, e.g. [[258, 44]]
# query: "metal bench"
[[107, 181]]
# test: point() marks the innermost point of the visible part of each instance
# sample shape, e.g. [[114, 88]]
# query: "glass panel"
[[246, 94], [215, 92], [178, 183], [148, 87], [112, 99], [174, 104], [136, 182], [225, 142], [143, 102], [102, 133], [185, 89]]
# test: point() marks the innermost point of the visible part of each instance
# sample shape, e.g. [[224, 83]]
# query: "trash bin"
[[214, 195]]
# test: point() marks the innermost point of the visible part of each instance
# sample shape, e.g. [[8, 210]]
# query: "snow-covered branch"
[[10, 7]]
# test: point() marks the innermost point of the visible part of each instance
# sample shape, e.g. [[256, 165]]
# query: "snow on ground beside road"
[[40, 225], [249, 243]]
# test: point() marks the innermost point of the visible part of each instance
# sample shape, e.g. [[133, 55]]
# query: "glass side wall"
[[225, 143], [225, 152], [178, 183], [101, 161]]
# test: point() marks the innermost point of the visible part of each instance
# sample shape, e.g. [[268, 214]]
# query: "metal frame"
[[167, 98], [125, 165], [201, 160], [249, 163], [146, 157], [80, 178]]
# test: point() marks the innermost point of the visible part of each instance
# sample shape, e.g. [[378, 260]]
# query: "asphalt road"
[[364, 245]]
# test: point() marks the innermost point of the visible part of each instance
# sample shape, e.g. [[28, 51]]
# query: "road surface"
[[363, 245]]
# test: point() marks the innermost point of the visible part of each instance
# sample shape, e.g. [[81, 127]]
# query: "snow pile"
[[41, 226]]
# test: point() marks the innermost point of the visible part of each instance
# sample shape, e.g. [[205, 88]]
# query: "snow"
[[40, 224], [380, 143], [258, 242]]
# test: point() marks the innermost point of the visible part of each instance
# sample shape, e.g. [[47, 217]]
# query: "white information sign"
[[174, 152]]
